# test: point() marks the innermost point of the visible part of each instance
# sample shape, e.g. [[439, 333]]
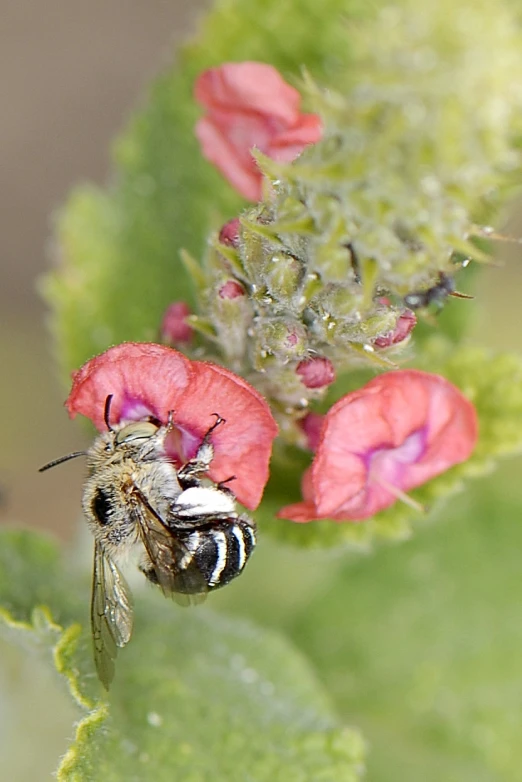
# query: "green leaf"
[[197, 696], [492, 383], [421, 643]]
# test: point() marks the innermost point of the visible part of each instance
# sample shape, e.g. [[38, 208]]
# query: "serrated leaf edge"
[[85, 729], [97, 711]]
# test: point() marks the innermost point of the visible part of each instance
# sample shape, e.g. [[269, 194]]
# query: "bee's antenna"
[[107, 412], [61, 460]]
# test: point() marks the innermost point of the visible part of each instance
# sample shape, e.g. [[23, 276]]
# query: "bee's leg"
[[223, 487], [191, 472]]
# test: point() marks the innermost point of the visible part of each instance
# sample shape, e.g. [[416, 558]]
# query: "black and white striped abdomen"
[[220, 551]]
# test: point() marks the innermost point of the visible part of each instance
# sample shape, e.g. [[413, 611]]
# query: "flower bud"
[[229, 233], [231, 314], [403, 328], [284, 275], [316, 372], [174, 328], [231, 290], [284, 338], [311, 425]]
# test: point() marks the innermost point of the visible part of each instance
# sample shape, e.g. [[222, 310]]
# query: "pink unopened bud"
[[316, 372], [292, 339], [403, 328], [229, 234], [174, 328], [231, 290], [311, 425]]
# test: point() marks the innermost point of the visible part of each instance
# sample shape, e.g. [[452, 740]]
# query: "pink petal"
[[244, 443], [386, 465], [244, 177], [452, 435], [250, 105], [244, 131], [300, 512], [343, 477], [143, 378], [251, 86], [286, 145], [367, 435]]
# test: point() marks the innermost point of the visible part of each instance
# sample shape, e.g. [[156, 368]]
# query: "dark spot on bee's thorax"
[[151, 574], [101, 506]]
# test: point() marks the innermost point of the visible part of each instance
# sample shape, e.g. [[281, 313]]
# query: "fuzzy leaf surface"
[[197, 696], [421, 643]]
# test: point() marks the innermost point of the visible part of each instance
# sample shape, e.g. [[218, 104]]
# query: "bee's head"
[[126, 440], [135, 433], [133, 440]]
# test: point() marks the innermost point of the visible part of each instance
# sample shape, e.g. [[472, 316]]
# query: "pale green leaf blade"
[[196, 696], [422, 643]]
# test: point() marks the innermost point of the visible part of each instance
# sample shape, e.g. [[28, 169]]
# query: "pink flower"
[[397, 432], [148, 380], [174, 327], [250, 105]]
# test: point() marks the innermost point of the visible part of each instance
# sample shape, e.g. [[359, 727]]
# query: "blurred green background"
[[420, 644]]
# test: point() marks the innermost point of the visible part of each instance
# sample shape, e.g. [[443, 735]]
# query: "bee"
[[184, 529], [437, 294]]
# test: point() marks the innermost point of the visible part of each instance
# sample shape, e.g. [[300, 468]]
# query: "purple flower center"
[[389, 465], [135, 410], [181, 444]]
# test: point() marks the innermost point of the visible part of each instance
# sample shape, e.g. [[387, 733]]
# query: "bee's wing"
[[176, 571], [111, 614]]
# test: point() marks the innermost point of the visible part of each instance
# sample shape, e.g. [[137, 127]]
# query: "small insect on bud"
[[316, 372], [406, 322], [174, 327], [436, 295], [229, 233], [231, 290]]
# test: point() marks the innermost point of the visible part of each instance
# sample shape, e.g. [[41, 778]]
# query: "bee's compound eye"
[[101, 507], [139, 430]]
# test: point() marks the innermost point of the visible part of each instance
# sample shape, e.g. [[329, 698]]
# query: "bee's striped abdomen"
[[221, 551]]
